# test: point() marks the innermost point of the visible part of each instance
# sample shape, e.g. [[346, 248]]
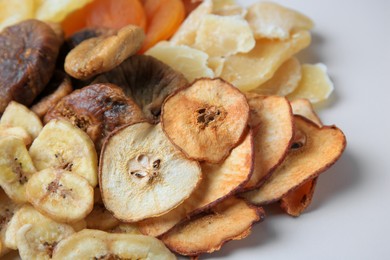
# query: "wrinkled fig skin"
[[88, 33], [28, 56], [147, 80], [97, 109]]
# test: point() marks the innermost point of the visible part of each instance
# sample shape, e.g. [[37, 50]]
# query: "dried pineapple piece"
[[56, 11]]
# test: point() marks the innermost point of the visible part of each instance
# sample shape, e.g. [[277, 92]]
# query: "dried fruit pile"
[[109, 154]]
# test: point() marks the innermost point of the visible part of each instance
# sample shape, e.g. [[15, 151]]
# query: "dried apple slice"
[[207, 232], [271, 20], [314, 152], [142, 174], [218, 182], [16, 168], [248, 71], [62, 145], [213, 116], [304, 108], [61, 195], [272, 119], [315, 84], [284, 81]]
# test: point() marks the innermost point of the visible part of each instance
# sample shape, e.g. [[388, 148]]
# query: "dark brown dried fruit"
[[97, 109], [87, 33], [147, 80], [28, 56]]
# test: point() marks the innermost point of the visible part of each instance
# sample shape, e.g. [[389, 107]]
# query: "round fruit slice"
[[16, 168], [63, 196], [142, 174], [62, 145], [7, 210], [206, 120]]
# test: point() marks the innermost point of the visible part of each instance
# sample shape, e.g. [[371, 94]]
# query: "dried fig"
[[27, 60], [147, 80], [97, 109], [87, 33]]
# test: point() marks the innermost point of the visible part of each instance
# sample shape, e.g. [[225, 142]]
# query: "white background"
[[350, 216]]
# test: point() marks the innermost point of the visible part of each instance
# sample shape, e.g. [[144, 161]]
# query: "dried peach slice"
[[218, 182], [271, 20], [208, 231], [272, 119], [314, 152], [142, 174], [248, 71], [213, 116]]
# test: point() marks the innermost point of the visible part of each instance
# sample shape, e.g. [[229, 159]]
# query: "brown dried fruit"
[[206, 120], [100, 54], [7, 210], [147, 80], [312, 153], [58, 87], [88, 33], [142, 174], [208, 231], [97, 109], [27, 60]]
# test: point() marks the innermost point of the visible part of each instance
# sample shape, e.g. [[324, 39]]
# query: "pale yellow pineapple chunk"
[[14, 11], [228, 7], [191, 62], [284, 81], [57, 10], [273, 21], [224, 35], [247, 71], [315, 84]]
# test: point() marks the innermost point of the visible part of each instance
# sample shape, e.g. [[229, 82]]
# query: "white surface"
[[349, 217]]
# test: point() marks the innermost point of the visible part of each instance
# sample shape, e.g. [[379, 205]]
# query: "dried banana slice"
[[16, 168], [7, 210], [17, 132], [62, 145], [28, 215], [142, 174], [61, 195], [38, 241], [17, 114]]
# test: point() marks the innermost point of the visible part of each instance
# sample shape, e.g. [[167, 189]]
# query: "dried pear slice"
[[16, 168], [62, 145], [61, 195], [213, 116], [304, 108], [28, 215], [142, 174], [218, 182], [39, 241], [272, 119], [316, 150], [284, 81], [189, 61], [207, 232], [7, 210], [248, 71], [273, 21], [100, 218], [19, 115], [315, 84]]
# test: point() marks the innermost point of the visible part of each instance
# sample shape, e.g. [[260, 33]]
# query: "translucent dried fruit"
[[273, 21], [140, 164], [218, 182], [216, 64], [97, 109], [18, 115], [7, 210], [56, 11], [248, 71], [147, 80], [284, 81], [213, 116], [224, 35], [100, 54], [207, 232], [16, 168], [228, 8], [62, 145], [12, 12], [61, 195], [314, 152], [272, 121], [28, 62], [189, 61], [315, 84]]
